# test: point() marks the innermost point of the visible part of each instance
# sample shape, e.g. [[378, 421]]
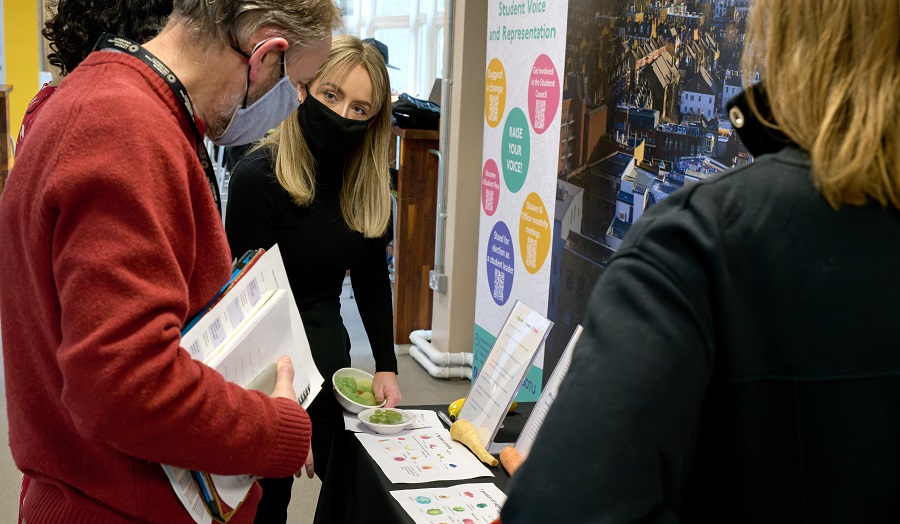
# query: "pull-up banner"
[[523, 91]]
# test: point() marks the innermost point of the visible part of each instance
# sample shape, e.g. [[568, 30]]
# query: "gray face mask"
[[250, 123]]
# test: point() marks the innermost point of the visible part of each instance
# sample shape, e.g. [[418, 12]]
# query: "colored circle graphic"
[[494, 93], [534, 233], [490, 187], [543, 93], [516, 149], [500, 263]]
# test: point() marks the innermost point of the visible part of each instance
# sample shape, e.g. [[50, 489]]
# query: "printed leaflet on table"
[[422, 455], [462, 504]]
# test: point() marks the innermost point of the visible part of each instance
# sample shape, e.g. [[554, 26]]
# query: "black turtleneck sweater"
[[316, 244]]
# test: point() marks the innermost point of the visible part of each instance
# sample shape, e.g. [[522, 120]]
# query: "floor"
[[417, 386]]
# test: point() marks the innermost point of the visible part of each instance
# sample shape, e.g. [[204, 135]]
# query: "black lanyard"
[[110, 41]]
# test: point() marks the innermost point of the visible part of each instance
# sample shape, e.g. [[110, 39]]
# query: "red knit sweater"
[[109, 240]]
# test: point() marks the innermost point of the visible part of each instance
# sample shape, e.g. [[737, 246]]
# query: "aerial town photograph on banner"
[[643, 113]]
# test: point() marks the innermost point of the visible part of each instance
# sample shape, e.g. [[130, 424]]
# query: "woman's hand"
[[386, 387]]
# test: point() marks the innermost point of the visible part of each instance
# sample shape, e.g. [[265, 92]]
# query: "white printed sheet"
[[462, 504], [422, 455]]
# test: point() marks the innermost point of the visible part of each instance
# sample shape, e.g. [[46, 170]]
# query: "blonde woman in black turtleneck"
[[319, 187]]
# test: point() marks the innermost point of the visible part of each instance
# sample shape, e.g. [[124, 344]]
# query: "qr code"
[[493, 108], [489, 201], [531, 252], [540, 109], [498, 284]]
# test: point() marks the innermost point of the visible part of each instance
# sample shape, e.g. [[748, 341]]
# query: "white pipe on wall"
[[422, 339], [439, 371]]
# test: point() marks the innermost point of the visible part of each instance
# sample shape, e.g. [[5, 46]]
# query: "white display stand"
[[539, 413], [518, 342]]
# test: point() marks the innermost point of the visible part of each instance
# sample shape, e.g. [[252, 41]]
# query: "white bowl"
[[346, 403], [386, 429]]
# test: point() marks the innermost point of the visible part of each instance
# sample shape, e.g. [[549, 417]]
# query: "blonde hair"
[[233, 22], [365, 194], [832, 73]]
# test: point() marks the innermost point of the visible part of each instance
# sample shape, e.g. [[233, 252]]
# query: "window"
[[439, 52], [569, 278], [397, 40], [347, 7], [391, 7], [415, 40]]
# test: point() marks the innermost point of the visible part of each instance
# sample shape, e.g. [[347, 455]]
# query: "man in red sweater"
[[110, 240]]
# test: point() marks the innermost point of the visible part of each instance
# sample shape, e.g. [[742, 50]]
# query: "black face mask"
[[328, 132]]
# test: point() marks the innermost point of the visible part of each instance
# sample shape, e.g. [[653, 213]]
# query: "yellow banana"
[[513, 406], [455, 406]]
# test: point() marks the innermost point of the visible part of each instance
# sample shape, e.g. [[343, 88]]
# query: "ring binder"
[[241, 334]]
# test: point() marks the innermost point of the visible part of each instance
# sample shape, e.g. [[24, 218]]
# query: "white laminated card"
[[518, 342]]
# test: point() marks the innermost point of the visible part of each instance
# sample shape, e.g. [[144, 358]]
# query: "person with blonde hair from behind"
[[319, 187], [740, 360], [111, 240]]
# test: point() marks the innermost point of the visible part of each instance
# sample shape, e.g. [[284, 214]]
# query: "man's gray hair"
[[233, 22]]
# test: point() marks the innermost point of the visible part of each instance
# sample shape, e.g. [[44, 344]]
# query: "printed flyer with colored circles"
[[422, 455], [462, 504]]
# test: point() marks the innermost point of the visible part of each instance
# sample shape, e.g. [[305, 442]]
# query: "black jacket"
[[740, 364]]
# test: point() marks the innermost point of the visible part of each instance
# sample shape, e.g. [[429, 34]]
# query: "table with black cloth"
[[355, 489]]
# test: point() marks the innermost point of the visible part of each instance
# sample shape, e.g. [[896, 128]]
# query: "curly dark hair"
[[78, 24]]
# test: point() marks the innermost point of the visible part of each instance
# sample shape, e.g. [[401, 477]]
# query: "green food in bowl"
[[386, 416], [359, 392], [367, 398]]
